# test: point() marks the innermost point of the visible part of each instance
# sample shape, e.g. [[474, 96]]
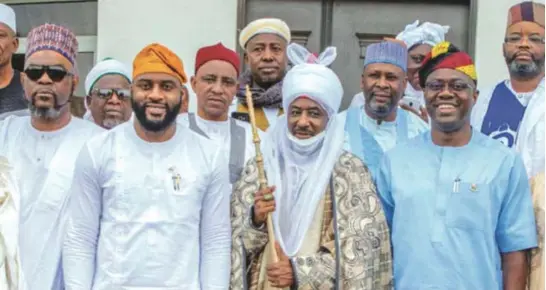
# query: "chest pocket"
[[468, 208], [186, 196], [54, 195]]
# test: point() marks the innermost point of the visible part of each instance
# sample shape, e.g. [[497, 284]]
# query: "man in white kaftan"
[[513, 110], [215, 84], [42, 149], [379, 124], [150, 203]]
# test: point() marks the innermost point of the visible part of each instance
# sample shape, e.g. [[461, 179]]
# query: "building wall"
[[492, 16], [183, 26]]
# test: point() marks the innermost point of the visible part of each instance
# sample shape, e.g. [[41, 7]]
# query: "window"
[[365, 39], [79, 16]]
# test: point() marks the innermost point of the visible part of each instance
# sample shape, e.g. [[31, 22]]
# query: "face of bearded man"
[[383, 85], [156, 100], [48, 82], [523, 50]]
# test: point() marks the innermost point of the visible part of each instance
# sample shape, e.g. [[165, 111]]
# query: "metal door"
[[351, 25], [358, 23]]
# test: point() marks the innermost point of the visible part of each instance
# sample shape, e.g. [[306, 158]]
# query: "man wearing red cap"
[[462, 223], [215, 84], [513, 110]]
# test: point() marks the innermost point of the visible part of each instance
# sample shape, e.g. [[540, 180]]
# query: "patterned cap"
[[53, 37], [526, 11], [387, 52], [446, 55]]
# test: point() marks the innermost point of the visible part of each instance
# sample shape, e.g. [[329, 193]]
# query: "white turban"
[[106, 67], [301, 168], [313, 79], [427, 33]]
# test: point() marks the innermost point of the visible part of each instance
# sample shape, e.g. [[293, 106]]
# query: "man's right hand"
[[262, 206]]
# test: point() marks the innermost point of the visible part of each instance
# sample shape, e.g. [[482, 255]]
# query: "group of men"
[[423, 183]]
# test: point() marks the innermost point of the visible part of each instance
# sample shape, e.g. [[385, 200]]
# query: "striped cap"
[[392, 52], [526, 11], [52, 37], [446, 55]]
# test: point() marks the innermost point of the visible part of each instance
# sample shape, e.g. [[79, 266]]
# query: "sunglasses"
[[106, 94], [55, 73]]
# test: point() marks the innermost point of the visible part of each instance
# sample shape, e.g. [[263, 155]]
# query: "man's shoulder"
[[86, 127], [348, 162]]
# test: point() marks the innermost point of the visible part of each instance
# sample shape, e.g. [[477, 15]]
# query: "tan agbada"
[[536, 275]]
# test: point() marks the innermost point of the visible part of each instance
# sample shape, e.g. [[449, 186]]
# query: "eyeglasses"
[[453, 86], [106, 94], [55, 73]]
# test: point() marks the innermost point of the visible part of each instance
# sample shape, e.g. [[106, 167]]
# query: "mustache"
[[43, 91], [299, 130], [518, 53]]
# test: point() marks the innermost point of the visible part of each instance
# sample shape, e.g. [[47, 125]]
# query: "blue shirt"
[[452, 211]]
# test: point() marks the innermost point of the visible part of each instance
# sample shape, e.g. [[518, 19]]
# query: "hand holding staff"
[[261, 173]]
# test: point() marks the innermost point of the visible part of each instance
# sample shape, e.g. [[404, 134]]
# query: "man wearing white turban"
[[323, 196], [419, 40], [108, 93]]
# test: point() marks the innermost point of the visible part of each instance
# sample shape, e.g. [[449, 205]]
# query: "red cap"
[[217, 52]]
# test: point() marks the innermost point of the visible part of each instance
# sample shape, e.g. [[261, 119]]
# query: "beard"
[[45, 113], [524, 70], [155, 125], [109, 123], [381, 111]]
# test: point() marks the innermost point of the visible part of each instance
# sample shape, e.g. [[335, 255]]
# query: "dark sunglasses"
[[55, 73], [106, 94]]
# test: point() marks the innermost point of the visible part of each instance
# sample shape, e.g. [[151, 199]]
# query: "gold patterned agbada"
[[353, 254]]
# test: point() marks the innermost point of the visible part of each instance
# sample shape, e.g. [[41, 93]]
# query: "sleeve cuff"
[[521, 242], [295, 285]]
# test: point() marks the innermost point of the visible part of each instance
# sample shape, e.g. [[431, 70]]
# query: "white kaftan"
[[43, 165], [235, 157], [148, 215]]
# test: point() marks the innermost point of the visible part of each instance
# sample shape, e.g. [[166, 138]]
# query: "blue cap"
[[387, 52]]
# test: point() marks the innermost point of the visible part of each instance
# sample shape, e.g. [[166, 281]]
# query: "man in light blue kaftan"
[[379, 124], [457, 202]]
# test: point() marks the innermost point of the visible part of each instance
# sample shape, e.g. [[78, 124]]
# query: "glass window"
[[80, 17]]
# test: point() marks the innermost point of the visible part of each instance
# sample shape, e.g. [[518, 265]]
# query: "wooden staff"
[[261, 172]]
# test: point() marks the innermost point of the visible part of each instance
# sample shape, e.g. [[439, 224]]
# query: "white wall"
[[127, 26], [492, 17]]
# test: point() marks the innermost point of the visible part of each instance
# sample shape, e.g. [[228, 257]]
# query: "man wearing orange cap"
[[215, 84], [150, 207], [462, 223], [513, 110]]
